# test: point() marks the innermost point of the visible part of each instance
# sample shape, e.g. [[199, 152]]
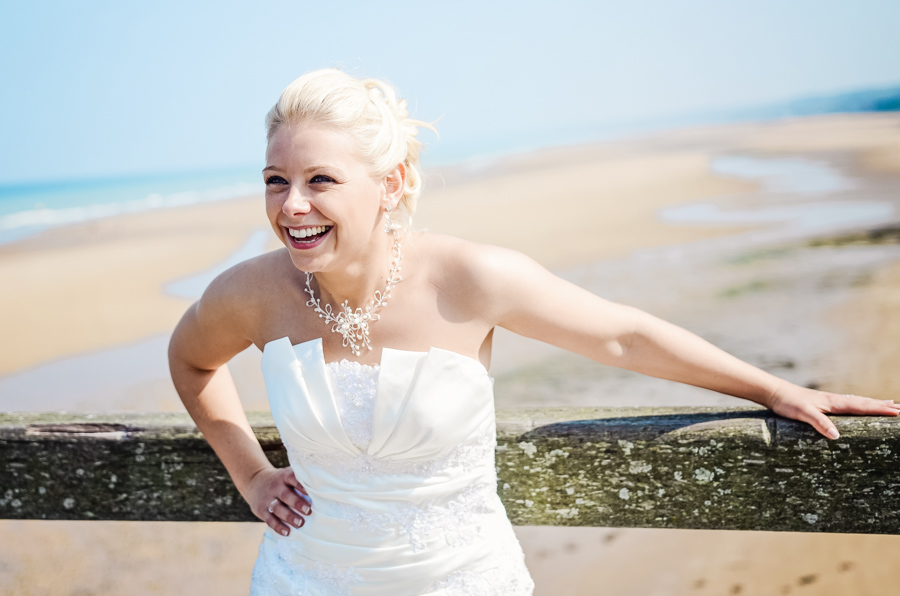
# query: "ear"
[[394, 183]]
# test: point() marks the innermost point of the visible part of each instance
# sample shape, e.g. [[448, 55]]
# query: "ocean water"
[[193, 286], [28, 208], [808, 191]]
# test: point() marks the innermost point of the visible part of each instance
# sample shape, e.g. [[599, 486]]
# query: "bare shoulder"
[[478, 276], [238, 300], [248, 281], [474, 261], [508, 289], [228, 316]]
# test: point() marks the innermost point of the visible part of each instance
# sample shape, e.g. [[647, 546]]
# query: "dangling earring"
[[388, 222]]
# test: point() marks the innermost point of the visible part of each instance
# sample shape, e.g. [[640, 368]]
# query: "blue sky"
[[109, 88]]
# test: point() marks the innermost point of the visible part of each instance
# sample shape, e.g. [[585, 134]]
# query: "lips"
[[307, 237]]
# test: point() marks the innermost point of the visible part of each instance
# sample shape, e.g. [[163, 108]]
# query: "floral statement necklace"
[[353, 325]]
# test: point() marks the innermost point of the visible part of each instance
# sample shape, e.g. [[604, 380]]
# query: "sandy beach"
[[759, 271]]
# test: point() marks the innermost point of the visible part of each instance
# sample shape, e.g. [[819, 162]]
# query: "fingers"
[[287, 509], [887, 406], [295, 501], [288, 477], [282, 518], [292, 481], [292, 493], [846, 404], [286, 501], [859, 405], [810, 406], [821, 423]]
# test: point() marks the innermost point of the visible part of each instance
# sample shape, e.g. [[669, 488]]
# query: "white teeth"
[[306, 232]]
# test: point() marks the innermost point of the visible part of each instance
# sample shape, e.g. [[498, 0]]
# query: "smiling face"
[[322, 201]]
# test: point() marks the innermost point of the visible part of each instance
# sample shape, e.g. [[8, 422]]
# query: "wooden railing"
[[739, 469]]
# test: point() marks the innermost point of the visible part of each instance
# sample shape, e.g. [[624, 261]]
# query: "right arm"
[[209, 334]]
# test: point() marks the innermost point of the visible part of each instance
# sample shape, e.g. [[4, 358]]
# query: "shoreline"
[[113, 269], [106, 331], [112, 272]]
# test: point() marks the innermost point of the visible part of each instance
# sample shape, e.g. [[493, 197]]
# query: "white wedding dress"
[[398, 461]]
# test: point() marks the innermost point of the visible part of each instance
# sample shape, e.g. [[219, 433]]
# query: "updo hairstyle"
[[369, 111]]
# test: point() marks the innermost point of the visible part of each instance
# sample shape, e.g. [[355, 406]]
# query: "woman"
[[376, 342]]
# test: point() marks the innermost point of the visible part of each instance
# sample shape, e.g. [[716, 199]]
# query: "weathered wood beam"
[[743, 469]]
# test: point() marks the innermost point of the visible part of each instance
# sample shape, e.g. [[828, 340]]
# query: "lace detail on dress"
[[281, 574], [459, 520], [354, 386], [356, 468], [420, 515], [511, 578]]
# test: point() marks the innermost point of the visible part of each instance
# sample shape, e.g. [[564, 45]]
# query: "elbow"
[[627, 344], [618, 351], [175, 355], [179, 336]]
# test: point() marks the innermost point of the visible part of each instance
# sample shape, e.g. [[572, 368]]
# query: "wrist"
[[775, 393], [245, 482]]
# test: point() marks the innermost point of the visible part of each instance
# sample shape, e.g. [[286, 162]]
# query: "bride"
[[376, 341]]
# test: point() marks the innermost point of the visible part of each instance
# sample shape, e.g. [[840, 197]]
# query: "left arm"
[[527, 299]]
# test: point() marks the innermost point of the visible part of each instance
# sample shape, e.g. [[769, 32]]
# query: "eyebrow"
[[309, 169]]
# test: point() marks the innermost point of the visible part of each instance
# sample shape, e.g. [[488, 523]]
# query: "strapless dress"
[[398, 461]]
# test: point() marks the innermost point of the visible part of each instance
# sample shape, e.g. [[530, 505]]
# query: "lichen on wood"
[[639, 467], [690, 468]]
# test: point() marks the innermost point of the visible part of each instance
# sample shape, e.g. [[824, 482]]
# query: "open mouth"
[[308, 237]]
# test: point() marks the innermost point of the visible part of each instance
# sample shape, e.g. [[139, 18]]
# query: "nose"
[[296, 203]]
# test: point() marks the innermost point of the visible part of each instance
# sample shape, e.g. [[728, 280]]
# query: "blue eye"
[[275, 180], [321, 179]]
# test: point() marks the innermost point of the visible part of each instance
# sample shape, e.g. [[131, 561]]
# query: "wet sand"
[[99, 284], [871, 320], [816, 312], [641, 562]]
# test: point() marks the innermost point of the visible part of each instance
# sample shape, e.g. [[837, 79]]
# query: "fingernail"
[[307, 510], [284, 532], [298, 522], [833, 434]]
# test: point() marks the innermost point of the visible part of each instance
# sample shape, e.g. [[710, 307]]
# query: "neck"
[[357, 282]]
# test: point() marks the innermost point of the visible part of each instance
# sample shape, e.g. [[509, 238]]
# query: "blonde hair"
[[369, 111]]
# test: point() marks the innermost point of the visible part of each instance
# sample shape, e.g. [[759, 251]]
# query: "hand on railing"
[[810, 406]]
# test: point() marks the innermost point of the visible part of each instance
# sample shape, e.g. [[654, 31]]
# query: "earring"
[[388, 222]]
